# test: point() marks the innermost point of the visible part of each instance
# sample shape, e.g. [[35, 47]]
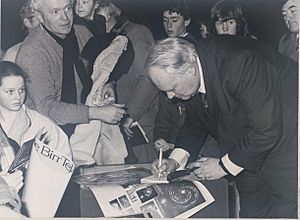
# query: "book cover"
[[22, 156]]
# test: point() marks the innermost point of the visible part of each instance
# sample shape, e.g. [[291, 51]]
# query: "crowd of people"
[[223, 102]]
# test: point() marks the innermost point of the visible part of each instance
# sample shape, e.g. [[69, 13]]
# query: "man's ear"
[[27, 23], [39, 16], [187, 22]]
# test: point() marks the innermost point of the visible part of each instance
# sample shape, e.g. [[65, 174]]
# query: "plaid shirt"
[[7, 153]]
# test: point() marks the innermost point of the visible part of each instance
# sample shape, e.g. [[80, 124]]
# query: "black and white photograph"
[[212, 85]]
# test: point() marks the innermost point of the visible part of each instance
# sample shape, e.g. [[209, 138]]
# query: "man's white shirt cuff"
[[181, 156], [230, 166]]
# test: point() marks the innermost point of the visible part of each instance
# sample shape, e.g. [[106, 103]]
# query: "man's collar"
[[54, 36], [184, 35], [202, 88]]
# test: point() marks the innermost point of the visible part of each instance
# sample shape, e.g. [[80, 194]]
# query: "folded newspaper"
[[174, 200], [47, 177]]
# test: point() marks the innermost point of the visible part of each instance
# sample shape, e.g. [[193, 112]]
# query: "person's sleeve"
[[258, 92], [141, 99], [145, 91], [8, 196], [181, 156], [41, 89], [230, 166]]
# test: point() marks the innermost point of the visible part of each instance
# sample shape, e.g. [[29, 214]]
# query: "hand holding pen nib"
[[162, 167]]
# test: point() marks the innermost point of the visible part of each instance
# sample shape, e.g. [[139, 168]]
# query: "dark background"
[[264, 17]]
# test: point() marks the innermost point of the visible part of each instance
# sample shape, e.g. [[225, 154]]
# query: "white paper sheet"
[[46, 180]]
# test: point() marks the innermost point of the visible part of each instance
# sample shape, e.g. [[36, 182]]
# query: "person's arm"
[[42, 90], [145, 91], [258, 92], [9, 199]]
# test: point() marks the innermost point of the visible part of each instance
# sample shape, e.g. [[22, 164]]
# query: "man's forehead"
[[161, 77], [56, 3], [171, 14], [290, 4]]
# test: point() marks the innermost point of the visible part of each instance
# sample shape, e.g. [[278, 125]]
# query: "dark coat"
[[252, 110], [288, 46]]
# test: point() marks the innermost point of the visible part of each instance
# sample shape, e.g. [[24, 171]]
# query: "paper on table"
[[154, 179], [175, 200], [114, 200]]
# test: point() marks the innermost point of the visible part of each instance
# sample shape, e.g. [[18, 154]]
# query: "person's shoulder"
[[287, 38], [11, 53], [36, 40], [35, 116], [139, 28], [82, 30]]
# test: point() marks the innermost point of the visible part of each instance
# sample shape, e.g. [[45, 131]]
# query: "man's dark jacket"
[[252, 110]]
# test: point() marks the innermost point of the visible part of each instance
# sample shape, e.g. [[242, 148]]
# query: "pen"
[[159, 161]]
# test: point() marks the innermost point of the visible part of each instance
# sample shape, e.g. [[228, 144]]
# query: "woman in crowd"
[[29, 23], [227, 17], [20, 124], [86, 14]]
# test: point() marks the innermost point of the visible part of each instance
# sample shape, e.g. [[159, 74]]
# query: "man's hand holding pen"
[[167, 166]]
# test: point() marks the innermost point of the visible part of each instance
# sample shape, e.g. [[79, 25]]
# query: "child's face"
[[85, 8], [12, 93], [226, 27]]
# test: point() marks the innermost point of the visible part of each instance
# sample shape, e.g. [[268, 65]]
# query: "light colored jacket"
[[41, 57]]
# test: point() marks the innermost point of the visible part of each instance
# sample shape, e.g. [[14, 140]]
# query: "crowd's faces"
[[226, 27], [12, 93], [57, 16], [203, 31], [85, 8], [179, 86], [174, 24], [290, 12]]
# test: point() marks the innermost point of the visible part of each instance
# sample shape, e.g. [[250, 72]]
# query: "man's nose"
[[169, 24], [224, 26], [170, 95], [63, 15]]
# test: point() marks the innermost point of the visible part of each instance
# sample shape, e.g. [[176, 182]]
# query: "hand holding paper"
[[14, 180]]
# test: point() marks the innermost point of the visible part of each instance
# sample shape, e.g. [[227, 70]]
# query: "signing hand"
[[162, 144], [14, 180], [168, 165], [208, 168]]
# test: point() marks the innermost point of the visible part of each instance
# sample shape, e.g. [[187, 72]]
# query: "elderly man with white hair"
[[289, 43], [59, 84]]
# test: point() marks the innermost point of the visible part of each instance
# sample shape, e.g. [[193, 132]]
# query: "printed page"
[[114, 200], [46, 179]]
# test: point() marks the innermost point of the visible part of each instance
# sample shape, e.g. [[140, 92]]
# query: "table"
[[218, 188]]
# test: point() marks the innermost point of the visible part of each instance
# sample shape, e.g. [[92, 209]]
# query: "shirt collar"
[[202, 88]]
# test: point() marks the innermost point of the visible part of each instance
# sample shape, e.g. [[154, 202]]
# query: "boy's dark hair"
[[178, 6]]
